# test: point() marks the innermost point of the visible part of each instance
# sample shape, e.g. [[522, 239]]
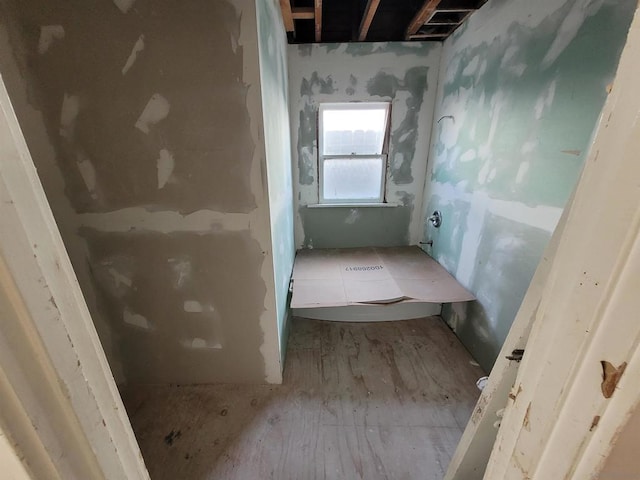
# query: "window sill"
[[353, 205]]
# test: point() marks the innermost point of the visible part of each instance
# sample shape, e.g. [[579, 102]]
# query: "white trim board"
[[51, 359]]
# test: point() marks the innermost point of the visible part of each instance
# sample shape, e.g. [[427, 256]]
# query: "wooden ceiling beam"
[[460, 21], [303, 13], [367, 18], [424, 36], [317, 8], [423, 15], [287, 16], [455, 10]]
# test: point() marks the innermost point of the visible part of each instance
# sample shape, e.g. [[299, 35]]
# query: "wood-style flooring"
[[359, 401]]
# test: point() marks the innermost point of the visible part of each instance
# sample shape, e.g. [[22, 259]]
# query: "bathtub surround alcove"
[[490, 128], [404, 74]]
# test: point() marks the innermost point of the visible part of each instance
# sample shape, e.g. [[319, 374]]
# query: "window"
[[352, 152]]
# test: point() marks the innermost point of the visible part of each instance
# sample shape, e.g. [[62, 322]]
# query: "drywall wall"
[[13, 59], [403, 73], [154, 112], [521, 88], [272, 47]]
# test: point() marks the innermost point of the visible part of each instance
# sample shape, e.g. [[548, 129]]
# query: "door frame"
[[60, 409]]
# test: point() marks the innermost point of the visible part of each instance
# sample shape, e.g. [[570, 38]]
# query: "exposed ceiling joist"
[[287, 16], [427, 36], [455, 10], [303, 13], [367, 18], [423, 16], [436, 22], [314, 21], [317, 7]]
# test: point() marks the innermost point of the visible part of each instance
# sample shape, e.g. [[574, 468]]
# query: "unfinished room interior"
[[307, 239]]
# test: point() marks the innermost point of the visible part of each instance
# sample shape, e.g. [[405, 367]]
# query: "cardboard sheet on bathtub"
[[356, 276]]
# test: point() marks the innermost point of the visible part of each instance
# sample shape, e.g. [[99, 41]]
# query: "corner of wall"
[[272, 44]]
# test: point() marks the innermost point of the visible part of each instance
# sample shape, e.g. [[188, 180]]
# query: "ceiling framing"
[[313, 21]]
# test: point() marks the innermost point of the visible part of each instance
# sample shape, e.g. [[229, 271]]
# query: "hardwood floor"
[[359, 401]]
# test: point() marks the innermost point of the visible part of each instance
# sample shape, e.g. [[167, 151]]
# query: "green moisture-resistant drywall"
[[273, 75], [521, 88]]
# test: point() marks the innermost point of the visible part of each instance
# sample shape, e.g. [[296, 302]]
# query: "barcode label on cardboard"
[[364, 268]]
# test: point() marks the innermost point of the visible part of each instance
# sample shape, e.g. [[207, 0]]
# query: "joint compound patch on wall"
[[156, 109], [88, 173], [137, 48], [182, 270], [154, 88], [353, 216], [192, 306], [165, 165], [206, 313], [168, 290], [410, 90], [135, 319], [48, 34], [68, 115], [200, 344], [124, 5], [119, 279], [353, 83]]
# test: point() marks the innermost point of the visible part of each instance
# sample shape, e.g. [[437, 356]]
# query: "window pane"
[[353, 132], [352, 179]]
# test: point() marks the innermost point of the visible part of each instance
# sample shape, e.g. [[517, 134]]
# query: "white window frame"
[[384, 155]]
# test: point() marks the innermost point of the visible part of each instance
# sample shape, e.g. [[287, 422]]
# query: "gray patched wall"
[[145, 121], [521, 88], [403, 73]]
